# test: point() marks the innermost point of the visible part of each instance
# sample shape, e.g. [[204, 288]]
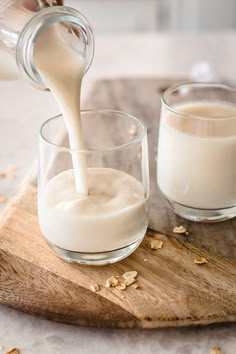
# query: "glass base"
[[100, 258], [202, 215]]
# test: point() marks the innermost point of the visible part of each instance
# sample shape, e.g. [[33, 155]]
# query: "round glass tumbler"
[[197, 151], [103, 227]]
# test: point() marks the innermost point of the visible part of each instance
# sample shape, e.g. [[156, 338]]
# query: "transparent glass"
[[71, 26], [14, 14], [113, 140], [196, 169]]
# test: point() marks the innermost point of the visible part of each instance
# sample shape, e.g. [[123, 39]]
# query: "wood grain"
[[174, 291]]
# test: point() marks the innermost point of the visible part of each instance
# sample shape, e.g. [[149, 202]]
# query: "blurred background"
[[158, 15], [205, 26]]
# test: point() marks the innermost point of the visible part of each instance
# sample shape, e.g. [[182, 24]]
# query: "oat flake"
[[156, 244], [132, 274], [200, 260], [216, 350], [179, 230]]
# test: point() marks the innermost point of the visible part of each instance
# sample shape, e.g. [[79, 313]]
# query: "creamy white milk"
[[62, 70], [112, 216], [197, 159], [84, 209]]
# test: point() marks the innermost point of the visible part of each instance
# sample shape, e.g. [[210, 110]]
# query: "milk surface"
[[112, 216], [196, 159]]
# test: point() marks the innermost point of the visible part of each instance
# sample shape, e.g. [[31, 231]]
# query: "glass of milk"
[[196, 169], [110, 222]]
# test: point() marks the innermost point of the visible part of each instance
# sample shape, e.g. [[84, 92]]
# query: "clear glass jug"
[[14, 14], [22, 21]]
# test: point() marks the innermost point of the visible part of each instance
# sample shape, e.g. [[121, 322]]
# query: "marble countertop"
[[23, 109]]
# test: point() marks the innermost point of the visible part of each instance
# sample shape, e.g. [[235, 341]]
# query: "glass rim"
[[196, 84], [135, 140]]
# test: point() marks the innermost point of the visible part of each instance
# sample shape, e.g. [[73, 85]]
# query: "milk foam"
[[112, 216]]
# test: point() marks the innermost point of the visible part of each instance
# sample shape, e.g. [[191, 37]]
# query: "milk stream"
[[62, 70]]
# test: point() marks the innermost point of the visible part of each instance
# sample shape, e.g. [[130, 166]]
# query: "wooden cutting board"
[[174, 291]]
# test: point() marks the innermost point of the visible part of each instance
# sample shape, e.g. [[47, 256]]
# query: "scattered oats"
[[14, 351], [123, 297], [200, 260], [3, 199], [11, 175], [135, 286], [145, 259], [130, 278], [94, 287], [12, 168], [180, 230], [156, 244], [111, 282], [216, 350], [132, 274], [11, 171], [132, 130], [129, 281], [121, 286]]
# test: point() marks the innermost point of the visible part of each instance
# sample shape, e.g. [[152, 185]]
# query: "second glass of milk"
[[196, 168], [110, 222]]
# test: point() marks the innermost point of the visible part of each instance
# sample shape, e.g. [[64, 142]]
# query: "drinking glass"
[[196, 169], [113, 140]]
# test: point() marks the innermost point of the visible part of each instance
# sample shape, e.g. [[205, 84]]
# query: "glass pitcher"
[[22, 21], [14, 14]]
